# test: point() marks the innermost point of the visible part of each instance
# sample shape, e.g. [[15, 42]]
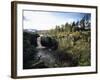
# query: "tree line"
[[81, 25]]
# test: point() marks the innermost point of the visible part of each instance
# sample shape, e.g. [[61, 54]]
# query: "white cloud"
[[41, 20]]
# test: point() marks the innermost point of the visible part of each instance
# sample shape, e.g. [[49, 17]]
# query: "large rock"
[[49, 43]]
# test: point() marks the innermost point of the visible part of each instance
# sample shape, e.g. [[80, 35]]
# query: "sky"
[[43, 20]]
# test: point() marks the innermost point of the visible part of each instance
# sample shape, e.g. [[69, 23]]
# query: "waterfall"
[[39, 43], [44, 55]]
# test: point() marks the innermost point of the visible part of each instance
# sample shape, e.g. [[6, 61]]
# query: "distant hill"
[[30, 30], [41, 31]]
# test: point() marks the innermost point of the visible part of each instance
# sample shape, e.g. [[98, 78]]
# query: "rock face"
[[49, 43]]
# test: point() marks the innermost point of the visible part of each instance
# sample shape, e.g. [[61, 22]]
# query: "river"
[[47, 58]]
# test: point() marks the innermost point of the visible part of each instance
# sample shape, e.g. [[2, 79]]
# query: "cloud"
[[40, 20]]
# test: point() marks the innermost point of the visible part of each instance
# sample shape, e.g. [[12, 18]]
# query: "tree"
[[85, 22], [62, 28], [73, 24], [68, 27], [57, 28], [82, 23]]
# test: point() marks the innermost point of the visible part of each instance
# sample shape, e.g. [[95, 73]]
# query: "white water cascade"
[[39, 46], [43, 54]]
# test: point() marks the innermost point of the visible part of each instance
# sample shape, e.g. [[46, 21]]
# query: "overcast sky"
[[42, 20]]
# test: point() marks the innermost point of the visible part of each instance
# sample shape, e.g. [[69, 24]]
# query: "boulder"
[[49, 43]]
